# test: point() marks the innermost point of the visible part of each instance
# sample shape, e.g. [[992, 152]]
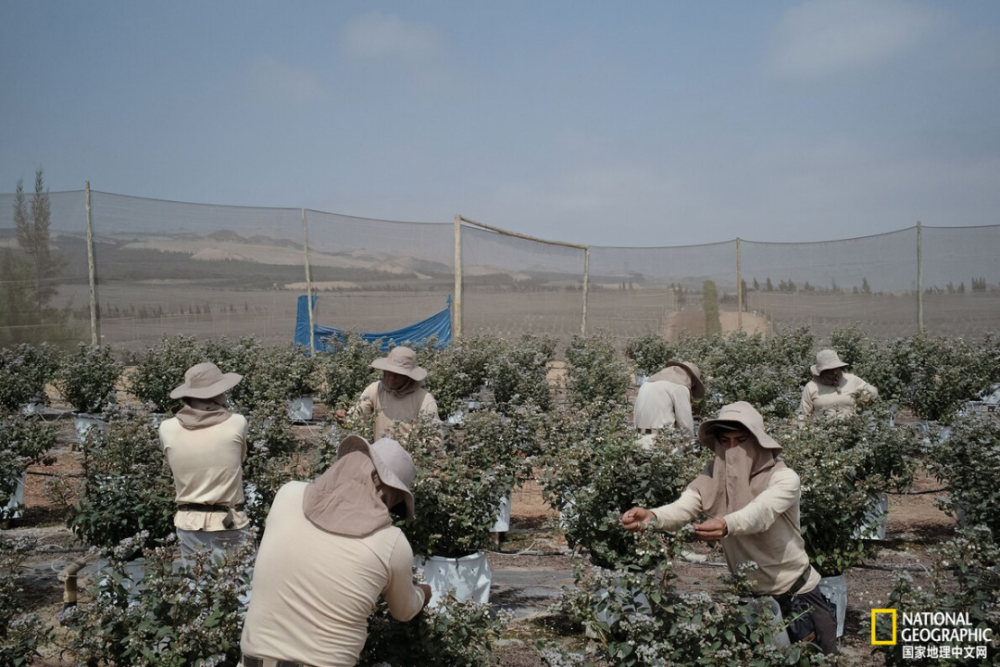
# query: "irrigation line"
[[921, 493], [706, 563], [887, 568], [53, 474], [528, 552], [922, 569]]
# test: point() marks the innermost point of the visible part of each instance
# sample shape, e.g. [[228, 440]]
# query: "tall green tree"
[[16, 307], [34, 236], [710, 303], [29, 275]]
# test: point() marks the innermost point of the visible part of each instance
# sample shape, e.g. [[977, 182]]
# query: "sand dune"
[[215, 249]]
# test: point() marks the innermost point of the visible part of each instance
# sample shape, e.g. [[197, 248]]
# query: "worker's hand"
[[712, 530], [340, 415], [427, 592], [636, 518]]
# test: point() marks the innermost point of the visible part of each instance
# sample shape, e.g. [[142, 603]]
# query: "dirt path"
[[692, 323]]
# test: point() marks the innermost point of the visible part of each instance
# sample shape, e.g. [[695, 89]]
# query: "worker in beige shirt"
[[399, 398], [833, 391], [205, 445], [752, 501], [329, 550], [664, 401]]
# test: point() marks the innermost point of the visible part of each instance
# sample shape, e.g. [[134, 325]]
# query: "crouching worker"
[[752, 499], [329, 551]]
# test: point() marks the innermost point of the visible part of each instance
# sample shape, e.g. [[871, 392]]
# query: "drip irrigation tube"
[[54, 474]]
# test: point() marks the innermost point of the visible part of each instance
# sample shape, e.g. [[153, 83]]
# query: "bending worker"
[[752, 499], [833, 391], [205, 445], [329, 551], [399, 397], [664, 401]]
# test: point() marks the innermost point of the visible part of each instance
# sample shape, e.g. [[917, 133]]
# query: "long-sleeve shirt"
[[313, 590], [838, 401], [766, 531], [663, 404], [207, 464], [389, 408]]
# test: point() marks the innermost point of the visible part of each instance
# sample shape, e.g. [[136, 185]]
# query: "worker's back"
[[314, 590]]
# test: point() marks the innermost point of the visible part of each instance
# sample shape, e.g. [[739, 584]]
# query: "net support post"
[[586, 289], [95, 317], [456, 313], [920, 277], [739, 288], [309, 292]]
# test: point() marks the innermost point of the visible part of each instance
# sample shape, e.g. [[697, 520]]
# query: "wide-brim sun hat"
[[742, 416], [690, 369], [393, 463], [402, 361], [205, 380], [827, 360]]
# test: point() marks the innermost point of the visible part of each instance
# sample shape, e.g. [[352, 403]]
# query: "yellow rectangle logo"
[[884, 642]]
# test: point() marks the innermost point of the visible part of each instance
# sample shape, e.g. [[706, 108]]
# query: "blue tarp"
[[438, 325]]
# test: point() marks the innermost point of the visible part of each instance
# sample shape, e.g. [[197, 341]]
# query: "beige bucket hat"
[[827, 360], [740, 415], [205, 380], [393, 463], [401, 360], [689, 368]]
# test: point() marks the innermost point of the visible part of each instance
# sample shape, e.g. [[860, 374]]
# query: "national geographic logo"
[[928, 634], [875, 615]]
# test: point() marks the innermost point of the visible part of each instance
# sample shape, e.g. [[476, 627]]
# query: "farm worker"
[[330, 549], [397, 399], [832, 391], [752, 499], [664, 401], [205, 445]]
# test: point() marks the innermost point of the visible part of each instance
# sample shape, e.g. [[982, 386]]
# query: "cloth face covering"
[[345, 500], [203, 412], [736, 476]]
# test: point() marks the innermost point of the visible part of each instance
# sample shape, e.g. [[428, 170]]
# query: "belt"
[[250, 661], [795, 587], [647, 431], [194, 507]]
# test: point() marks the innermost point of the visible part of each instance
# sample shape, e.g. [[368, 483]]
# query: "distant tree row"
[[978, 285], [789, 286], [143, 311]]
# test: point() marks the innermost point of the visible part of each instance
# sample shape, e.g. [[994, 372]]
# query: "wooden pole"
[[739, 288], [920, 277], [586, 289], [95, 318], [520, 236], [309, 291], [456, 321]]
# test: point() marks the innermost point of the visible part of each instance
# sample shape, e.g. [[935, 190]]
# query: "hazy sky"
[[638, 123]]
